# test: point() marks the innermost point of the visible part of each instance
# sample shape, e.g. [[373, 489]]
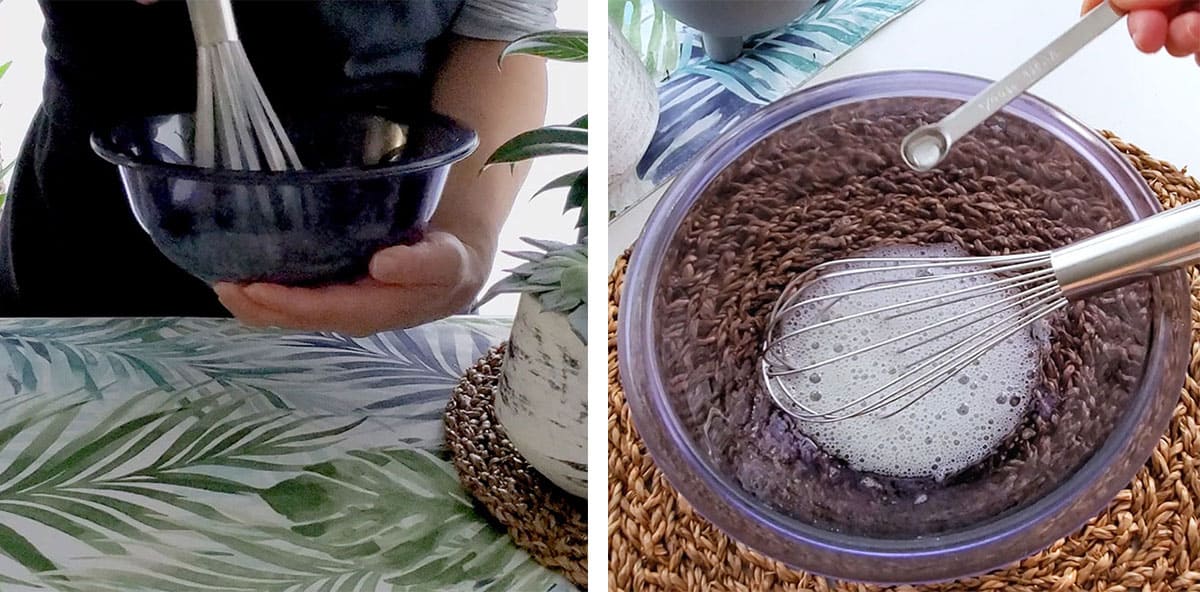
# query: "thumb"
[[1132, 5], [440, 260]]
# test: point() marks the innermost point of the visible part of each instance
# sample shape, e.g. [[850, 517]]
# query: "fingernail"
[[383, 262], [388, 257], [1135, 32]]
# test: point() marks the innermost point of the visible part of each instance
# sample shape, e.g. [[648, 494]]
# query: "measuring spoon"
[[927, 145]]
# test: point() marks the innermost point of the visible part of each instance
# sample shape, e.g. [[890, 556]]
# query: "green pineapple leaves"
[[555, 274]]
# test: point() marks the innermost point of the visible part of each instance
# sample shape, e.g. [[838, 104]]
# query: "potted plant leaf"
[[541, 400], [652, 34]]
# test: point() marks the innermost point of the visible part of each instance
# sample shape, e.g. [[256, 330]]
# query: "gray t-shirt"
[[504, 20]]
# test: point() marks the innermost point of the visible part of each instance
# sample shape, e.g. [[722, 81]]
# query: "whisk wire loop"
[[235, 125], [1024, 291], [935, 301], [1015, 267], [973, 317], [205, 151]]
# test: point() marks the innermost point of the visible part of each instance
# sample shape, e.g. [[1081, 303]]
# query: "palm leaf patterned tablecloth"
[[190, 454], [702, 99]]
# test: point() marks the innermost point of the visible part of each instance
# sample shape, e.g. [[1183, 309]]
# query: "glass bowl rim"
[[466, 143]]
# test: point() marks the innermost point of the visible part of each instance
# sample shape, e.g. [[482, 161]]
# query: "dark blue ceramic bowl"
[[370, 181]]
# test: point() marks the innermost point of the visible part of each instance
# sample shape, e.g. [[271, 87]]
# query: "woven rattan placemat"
[[541, 518], [1147, 539]]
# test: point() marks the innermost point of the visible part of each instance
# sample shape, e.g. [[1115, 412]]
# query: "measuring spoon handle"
[[974, 112]]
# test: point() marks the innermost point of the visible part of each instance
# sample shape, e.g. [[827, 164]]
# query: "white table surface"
[[1152, 101]]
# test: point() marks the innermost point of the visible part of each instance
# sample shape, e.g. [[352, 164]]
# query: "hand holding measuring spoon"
[[1157, 24]]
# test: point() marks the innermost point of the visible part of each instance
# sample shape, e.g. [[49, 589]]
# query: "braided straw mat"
[[541, 518], [1147, 539]]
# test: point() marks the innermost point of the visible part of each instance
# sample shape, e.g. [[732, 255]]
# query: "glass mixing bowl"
[[372, 179], [818, 176]]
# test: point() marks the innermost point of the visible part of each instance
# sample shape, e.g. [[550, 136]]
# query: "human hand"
[[407, 286], [1155, 24]]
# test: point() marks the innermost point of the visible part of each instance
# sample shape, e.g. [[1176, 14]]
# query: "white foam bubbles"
[[958, 423]]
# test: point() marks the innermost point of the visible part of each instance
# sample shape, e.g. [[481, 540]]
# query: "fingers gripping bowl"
[[371, 181], [816, 177]]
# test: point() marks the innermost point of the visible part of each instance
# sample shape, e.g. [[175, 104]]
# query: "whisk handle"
[[1162, 242], [212, 21]]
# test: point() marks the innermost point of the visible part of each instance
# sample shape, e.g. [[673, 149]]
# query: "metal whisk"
[[236, 128], [990, 299]]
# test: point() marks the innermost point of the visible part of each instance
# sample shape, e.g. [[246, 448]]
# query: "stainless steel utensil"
[[928, 145], [1005, 294], [236, 128]]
